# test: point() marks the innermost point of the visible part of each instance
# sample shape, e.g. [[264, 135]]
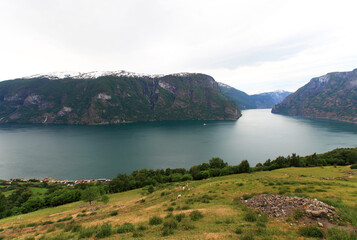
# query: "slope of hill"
[[207, 209], [113, 97], [261, 100], [332, 96]]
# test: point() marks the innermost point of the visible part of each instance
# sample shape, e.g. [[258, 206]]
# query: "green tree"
[[151, 189], [295, 160], [105, 199], [90, 194], [32, 204], [244, 167], [217, 163], [2, 205]]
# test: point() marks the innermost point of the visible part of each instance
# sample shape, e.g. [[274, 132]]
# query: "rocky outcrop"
[[280, 206], [332, 96], [113, 97]]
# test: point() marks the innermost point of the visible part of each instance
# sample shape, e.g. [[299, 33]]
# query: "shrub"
[[248, 236], [228, 220], [354, 166], [155, 220], [114, 213], [28, 225], [76, 228], [105, 199], [170, 223], [238, 230], [170, 215], [167, 231], [185, 207], [187, 225], [298, 214], [247, 196], [179, 217], [261, 224], [141, 227], [104, 231], [170, 209], [251, 216], [260, 231], [264, 218], [65, 219], [86, 232], [151, 189], [69, 226], [196, 215], [311, 231], [137, 234], [126, 227], [51, 229], [46, 223]]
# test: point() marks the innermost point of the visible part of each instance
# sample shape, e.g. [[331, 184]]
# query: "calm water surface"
[[81, 152]]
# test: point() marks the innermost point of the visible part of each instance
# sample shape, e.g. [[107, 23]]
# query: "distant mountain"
[[113, 97], [245, 101], [332, 96], [269, 99]]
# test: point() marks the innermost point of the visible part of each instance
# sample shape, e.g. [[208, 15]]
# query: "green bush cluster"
[[155, 220], [311, 231]]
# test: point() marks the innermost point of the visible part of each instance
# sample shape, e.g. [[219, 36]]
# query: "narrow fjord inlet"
[[82, 152]]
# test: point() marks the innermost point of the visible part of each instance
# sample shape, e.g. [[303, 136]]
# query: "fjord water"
[[84, 152]]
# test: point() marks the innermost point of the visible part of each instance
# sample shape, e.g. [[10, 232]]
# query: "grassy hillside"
[[129, 215]]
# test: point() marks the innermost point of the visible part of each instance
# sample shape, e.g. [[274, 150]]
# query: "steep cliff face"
[[332, 96], [113, 97]]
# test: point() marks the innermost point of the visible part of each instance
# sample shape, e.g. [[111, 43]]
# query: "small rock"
[[320, 224]]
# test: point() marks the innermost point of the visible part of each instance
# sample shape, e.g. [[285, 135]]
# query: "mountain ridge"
[[113, 97], [254, 101], [331, 96]]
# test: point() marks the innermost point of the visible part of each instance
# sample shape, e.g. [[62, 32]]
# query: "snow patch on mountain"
[[91, 75]]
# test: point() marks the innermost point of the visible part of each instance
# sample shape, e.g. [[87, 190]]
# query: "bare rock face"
[[332, 96], [32, 99], [104, 96], [280, 206]]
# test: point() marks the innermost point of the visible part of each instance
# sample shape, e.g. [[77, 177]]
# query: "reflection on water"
[[74, 152]]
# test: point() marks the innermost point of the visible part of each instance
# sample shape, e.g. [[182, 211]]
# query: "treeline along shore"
[[20, 197]]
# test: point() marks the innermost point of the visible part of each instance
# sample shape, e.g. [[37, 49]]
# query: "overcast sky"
[[253, 45]]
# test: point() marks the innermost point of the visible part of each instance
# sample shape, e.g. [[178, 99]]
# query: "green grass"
[[211, 209], [311, 231], [38, 191]]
